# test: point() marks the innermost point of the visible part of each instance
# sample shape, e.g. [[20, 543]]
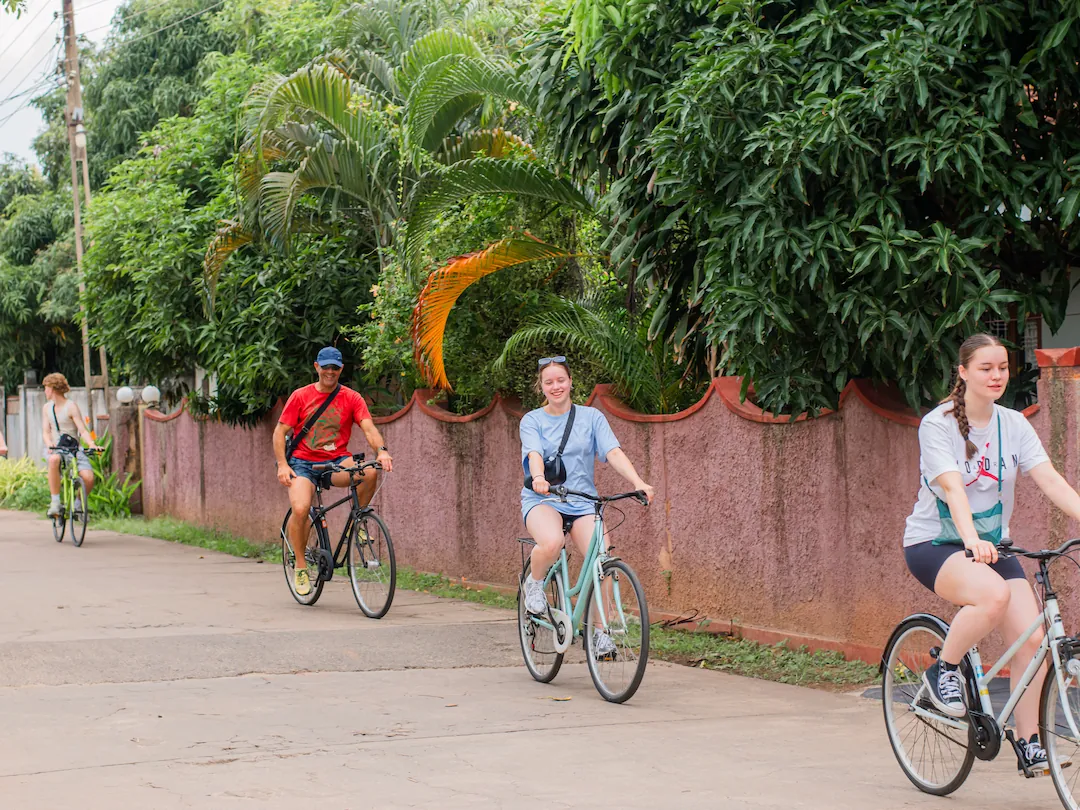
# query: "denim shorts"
[[82, 461], [303, 469]]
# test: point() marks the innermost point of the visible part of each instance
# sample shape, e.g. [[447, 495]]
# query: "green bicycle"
[[73, 503], [610, 600]]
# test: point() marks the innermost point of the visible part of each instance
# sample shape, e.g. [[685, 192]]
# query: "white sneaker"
[[54, 510], [77, 508], [603, 646], [535, 600]]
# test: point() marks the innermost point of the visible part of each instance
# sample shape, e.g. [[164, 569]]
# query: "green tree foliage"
[[830, 190], [146, 298], [38, 290], [147, 72]]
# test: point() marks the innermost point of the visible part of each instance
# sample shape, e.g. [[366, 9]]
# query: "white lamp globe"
[[124, 395], [151, 395]]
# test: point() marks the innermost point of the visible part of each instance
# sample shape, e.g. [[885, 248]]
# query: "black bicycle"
[[365, 545]]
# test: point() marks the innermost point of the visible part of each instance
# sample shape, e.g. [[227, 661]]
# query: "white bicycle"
[[936, 752]]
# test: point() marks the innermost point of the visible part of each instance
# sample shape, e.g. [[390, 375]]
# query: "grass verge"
[[773, 662]]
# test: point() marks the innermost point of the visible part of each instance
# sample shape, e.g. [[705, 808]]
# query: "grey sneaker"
[[535, 600], [603, 646], [54, 510], [77, 508]]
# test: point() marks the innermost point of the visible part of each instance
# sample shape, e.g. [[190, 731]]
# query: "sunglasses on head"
[[547, 361]]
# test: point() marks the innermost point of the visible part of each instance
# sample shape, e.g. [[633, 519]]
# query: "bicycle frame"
[[1052, 642], [588, 578], [319, 512]]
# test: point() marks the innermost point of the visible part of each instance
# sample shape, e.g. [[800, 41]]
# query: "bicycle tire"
[[59, 524], [80, 518], [383, 577], [627, 627], [913, 736], [315, 538], [1056, 737], [542, 664]]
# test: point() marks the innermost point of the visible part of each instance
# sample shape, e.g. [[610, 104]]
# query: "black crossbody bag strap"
[[294, 442], [566, 432]]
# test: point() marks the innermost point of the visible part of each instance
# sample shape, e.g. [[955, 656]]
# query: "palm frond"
[[229, 238], [492, 143], [448, 186], [601, 334], [429, 48], [448, 78], [446, 285]]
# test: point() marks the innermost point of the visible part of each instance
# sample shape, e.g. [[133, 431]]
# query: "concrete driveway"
[[136, 673]]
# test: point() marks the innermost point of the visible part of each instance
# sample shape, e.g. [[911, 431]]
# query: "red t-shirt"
[[329, 437]]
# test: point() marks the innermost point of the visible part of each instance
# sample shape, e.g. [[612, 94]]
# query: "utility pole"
[[77, 147]]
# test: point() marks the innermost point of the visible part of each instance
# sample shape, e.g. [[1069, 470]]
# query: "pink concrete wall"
[[782, 529]]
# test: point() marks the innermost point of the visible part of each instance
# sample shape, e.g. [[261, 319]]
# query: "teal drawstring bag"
[[987, 523]]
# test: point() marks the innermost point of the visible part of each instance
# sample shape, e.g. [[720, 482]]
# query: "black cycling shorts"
[[924, 560]]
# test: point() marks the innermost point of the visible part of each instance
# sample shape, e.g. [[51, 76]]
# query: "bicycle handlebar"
[[333, 467], [1008, 548], [637, 495], [90, 451]]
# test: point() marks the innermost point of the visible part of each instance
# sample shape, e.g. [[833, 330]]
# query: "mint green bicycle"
[[73, 504], [610, 603]]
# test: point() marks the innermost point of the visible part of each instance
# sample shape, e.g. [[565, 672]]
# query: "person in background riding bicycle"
[[327, 441], [590, 438], [972, 451], [62, 425]]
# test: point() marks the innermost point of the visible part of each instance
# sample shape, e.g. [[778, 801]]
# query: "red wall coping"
[[1057, 358], [882, 402]]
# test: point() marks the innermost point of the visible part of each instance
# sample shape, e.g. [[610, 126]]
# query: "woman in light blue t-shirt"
[[590, 439]]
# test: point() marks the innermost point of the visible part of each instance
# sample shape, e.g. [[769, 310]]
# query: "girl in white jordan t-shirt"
[[972, 452]]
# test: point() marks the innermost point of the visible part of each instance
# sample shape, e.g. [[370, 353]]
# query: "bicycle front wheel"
[[80, 514], [372, 567], [1057, 736], [617, 644], [537, 641], [932, 749], [288, 561], [59, 523]]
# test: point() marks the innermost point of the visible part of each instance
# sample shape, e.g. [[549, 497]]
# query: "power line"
[[142, 11], [29, 91], [26, 75], [30, 22], [23, 55]]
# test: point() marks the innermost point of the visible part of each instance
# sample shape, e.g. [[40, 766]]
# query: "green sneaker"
[[301, 582]]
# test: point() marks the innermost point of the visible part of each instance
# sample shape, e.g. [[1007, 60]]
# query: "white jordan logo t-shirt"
[[941, 449]]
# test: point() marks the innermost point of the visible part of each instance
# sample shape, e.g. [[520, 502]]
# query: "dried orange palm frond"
[[446, 285]]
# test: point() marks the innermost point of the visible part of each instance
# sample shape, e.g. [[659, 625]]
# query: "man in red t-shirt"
[[327, 440]]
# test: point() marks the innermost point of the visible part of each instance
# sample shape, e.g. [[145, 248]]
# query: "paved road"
[[139, 674]]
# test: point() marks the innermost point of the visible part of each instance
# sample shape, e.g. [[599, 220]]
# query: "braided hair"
[[956, 397]]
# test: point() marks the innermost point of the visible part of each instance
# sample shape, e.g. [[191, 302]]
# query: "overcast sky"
[[28, 56]]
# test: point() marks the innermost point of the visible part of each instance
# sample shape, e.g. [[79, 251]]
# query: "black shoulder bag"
[[554, 469], [294, 441]]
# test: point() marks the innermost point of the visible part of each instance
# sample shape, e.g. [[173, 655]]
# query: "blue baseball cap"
[[329, 356]]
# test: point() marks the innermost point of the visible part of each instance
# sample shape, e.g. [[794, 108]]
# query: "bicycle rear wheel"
[[372, 567], [1055, 733], [288, 561], [617, 671], [932, 749], [80, 515], [538, 642]]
